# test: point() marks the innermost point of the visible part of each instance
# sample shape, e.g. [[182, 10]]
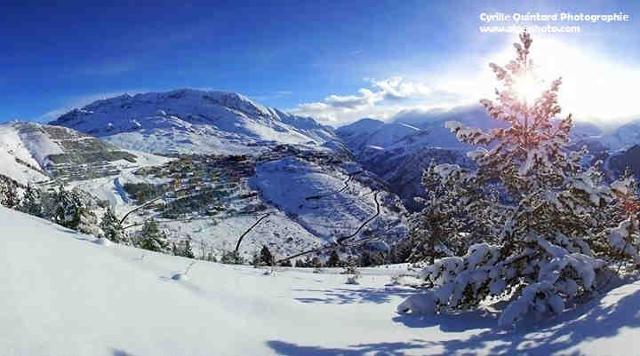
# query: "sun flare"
[[527, 87], [595, 87]]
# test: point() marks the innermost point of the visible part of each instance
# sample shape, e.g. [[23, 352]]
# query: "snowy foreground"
[[63, 294]]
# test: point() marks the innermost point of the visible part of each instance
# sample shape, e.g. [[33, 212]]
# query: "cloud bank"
[[381, 99]]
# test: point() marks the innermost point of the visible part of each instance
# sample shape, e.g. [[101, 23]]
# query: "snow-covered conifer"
[[231, 258], [152, 238], [68, 208], [455, 214], [266, 257], [187, 251], [334, 260], [548, 238], [110, 226], [31, 201], [9, 194]]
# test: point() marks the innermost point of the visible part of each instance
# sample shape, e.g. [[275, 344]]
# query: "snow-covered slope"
[[621, 138], [330, 204], [17, 160], [373, 134], [188, 121], [31, 152], [215, 205], [63, 294]]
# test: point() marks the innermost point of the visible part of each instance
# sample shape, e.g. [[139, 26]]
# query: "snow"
[[117, 300], [111, 188], [323, 203], [373, 133], [25, 149], [282, 235], [12, 149]]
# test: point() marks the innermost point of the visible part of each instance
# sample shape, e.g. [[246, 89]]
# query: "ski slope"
[[64, 294]]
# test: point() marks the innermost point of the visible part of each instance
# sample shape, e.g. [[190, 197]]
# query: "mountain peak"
[[184, 120]]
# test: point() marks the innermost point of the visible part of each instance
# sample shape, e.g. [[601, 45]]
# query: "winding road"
[[346, 185], [249, 230]]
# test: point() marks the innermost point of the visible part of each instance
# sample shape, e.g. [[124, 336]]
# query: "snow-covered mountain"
[[240, 164], [371, 134], [193, 121], [398, 151]]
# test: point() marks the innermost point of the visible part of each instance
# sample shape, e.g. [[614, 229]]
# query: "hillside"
[[31, 152], [56, 283]]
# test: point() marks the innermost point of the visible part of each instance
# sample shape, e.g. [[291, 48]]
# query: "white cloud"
[[596, 87], [382, 99]]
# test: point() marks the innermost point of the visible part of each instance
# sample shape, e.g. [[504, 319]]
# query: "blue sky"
[[322, 58]]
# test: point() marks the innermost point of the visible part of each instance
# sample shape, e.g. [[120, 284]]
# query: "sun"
[[527, 87], [595, 87]]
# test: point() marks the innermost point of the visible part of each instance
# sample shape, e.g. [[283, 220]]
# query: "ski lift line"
[[317, 249], [330, 246], [249, 230]]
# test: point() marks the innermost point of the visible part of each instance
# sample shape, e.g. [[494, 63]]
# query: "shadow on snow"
[[355, 296], [382, 348], [588, 322]]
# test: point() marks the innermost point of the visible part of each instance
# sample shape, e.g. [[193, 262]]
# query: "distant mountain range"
[[399, 150]]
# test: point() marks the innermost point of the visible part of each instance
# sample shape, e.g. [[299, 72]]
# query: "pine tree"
[[286, 263], [549, 237], [454, 203], [187, 251], [151, 238], [334, 260], [231, 258], [68, 208], [266, 258], [111, 228], [9, 191], [31, 201], [368, 259]]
